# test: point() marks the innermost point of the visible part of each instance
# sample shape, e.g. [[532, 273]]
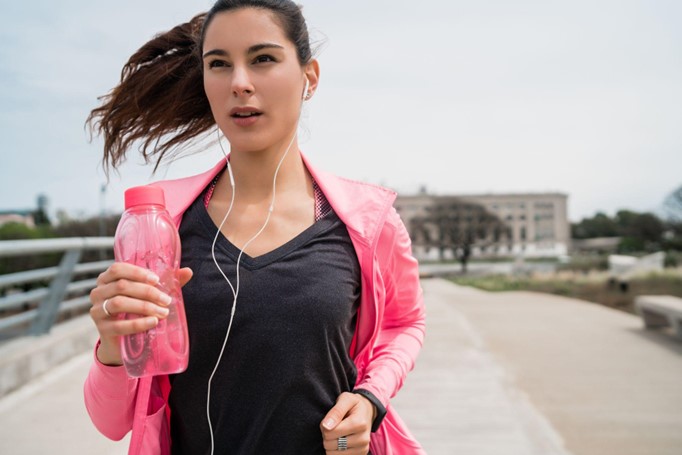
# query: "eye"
[[264, 59], [218, 64]]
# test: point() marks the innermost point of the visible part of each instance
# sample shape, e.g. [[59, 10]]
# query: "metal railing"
[[34, 312]]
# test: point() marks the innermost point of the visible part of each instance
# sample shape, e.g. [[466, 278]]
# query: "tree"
[[69, 228], [19, 231], [600, 225], [87, 228], [40, 217], [639, 231], [451, 224], [673, 205]]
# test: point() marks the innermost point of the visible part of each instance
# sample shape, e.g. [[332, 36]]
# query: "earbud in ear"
[[305, 90]]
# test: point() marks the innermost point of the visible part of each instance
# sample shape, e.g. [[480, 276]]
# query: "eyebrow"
[[251, 50]]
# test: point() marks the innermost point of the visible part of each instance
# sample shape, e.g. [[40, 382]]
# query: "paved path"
[[458, 399], [605, 384], [47, 416], [508, 374]]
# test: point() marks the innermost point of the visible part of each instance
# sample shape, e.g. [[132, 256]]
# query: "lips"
[[245, 112], [245, 116]]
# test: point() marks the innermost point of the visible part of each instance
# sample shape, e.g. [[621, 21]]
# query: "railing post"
[[49, 307]]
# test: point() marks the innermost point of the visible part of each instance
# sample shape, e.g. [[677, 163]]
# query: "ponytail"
[[159, 101]]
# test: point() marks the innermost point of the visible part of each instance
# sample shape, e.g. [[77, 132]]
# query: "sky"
[[460, 97]]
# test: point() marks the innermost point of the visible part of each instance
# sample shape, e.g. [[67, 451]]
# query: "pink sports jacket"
[[389, 334]]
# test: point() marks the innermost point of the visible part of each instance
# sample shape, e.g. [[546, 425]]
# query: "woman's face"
[[253, 79]]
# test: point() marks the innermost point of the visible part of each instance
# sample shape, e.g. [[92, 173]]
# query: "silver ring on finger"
[[342, 444], [104, 308]]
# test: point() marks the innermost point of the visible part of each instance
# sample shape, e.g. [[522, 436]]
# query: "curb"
[[27, 358]]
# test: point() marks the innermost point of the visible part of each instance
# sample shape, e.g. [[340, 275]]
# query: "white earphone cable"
[[235, 291]]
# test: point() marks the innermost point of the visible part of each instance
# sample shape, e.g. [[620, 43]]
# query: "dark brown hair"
[[160, 101]]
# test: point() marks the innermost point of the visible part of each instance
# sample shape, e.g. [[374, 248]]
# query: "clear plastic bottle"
[[147, 237]]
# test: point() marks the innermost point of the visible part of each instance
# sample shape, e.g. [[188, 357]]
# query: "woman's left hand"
[[352, 418]]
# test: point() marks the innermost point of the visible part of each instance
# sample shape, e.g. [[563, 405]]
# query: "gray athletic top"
[[287, 357]]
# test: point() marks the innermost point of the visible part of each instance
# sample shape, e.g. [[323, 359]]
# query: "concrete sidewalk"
[[458, 399], [607, 385], [47, 416], [511, 373], [603, 382]]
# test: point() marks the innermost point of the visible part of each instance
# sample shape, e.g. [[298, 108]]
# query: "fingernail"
[[329, 424], [153, 278], [166, 299], [162, 311], [153, 321]]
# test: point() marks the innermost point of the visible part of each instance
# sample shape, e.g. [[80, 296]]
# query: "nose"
[[241, 83]]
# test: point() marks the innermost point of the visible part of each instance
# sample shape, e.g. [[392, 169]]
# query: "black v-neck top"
[[287, 357]]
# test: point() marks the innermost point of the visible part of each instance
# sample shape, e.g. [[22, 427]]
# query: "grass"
[[593, 287], [492, 260]]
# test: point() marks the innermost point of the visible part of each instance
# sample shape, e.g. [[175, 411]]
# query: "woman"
[[302, 350]]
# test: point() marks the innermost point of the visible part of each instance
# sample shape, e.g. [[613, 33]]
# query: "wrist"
[[379, 410], [109, 353], [369, 402]]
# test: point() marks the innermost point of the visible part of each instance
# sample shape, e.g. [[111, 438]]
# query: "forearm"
[[391, 361], [109, 399]]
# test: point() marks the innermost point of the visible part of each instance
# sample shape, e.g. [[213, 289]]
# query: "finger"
[[125, 271], [356, 442], [358, 419], [344, 403], [352, 425], [134, 290], [119, 327], [105, 310], [184, 275], [122, 304]]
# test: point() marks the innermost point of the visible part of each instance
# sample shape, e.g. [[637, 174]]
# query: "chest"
[[308, 286], [252, 227]]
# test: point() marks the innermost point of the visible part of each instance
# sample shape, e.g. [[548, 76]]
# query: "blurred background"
[[509, 129], [452, 97], [534, 146]]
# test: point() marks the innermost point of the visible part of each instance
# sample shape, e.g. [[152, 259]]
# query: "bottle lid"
[[144, 195]]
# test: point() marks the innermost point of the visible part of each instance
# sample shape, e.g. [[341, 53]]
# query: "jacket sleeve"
[[402, 322], [110, 399]]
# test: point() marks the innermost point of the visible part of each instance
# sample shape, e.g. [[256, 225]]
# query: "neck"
[[254, 171]]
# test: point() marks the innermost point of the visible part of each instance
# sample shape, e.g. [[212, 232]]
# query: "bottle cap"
[[144, 195]]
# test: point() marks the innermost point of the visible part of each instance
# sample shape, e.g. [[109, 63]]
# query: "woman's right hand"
[[127, 288]]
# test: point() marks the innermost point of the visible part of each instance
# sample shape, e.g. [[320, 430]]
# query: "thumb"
[[336, 414], [184, 275]]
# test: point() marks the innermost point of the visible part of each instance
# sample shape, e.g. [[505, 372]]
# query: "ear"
[[312, 72]]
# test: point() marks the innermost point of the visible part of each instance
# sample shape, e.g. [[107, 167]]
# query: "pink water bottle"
[[147, 237]]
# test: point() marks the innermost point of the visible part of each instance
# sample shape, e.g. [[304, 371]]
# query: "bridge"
[[512, 373]]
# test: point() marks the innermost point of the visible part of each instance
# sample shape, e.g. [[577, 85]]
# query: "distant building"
[[26, 217], [535, 224]]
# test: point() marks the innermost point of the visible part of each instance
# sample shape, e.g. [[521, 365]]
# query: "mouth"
[[245, 112]]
